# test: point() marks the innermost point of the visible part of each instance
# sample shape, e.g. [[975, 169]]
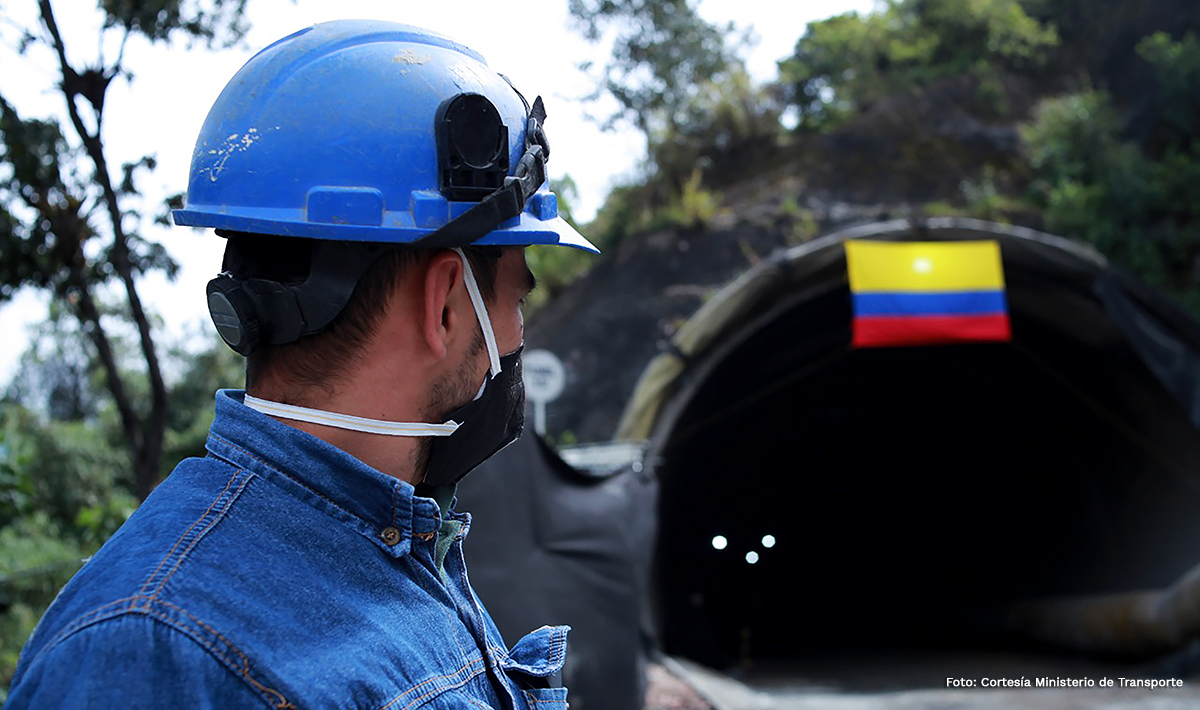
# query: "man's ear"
[[442, 276]]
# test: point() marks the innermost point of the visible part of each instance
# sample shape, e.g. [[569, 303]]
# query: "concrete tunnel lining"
[[913, 494]]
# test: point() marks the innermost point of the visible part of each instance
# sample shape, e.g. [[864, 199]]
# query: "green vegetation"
[[845, 65], [61, 496], [678, 79], [663, 50], [986, 108], [800, 222], [1138, 202]]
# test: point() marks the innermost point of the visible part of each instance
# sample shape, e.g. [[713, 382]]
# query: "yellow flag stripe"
[[924, 266]]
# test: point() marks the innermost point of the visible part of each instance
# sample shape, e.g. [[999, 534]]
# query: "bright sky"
[[161, 111]]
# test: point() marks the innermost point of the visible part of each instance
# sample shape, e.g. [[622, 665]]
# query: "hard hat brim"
[[524, 230]]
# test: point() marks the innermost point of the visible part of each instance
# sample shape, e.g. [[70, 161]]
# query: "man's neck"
[[396, 456]]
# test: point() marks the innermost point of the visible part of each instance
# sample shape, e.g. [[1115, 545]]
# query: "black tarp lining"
[[553, 545]]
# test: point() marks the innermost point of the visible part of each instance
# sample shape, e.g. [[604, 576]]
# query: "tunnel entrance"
[[816, 499]]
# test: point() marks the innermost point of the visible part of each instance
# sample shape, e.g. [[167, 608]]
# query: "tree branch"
[[88, 314], [147, 455], [71, 234], [116, 66]]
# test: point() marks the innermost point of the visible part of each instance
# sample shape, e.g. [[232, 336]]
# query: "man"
[[376, 184]]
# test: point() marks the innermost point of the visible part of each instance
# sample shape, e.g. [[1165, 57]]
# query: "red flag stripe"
[[883, 331]]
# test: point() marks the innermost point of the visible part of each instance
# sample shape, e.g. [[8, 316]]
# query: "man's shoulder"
[[126, 566], [261, 575], [156, 582], [138, 559], [134, 660]]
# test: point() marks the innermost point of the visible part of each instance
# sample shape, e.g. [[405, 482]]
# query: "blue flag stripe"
[[907, 304]]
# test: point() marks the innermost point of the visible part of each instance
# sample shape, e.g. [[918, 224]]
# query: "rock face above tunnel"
[[609, 324]]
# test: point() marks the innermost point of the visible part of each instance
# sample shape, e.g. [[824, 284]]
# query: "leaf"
[[127, 171], [216, 22]]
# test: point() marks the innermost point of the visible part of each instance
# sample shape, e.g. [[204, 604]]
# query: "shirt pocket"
[[546, 698], [535, 662]]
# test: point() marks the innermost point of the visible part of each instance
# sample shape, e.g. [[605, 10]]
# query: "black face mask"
[[486, 425]]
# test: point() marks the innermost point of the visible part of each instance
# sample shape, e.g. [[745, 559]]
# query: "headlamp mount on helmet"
[[506, 201], [472, 148]]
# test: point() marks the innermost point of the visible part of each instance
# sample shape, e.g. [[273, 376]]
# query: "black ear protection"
[[233, 313], [251, 311]]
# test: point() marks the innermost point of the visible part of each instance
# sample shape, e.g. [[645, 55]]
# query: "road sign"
[[545, 378]]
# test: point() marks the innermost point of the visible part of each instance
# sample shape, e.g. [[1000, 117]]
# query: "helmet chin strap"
[[382, 426]]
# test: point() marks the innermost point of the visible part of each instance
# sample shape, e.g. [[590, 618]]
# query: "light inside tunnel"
[[719, 542], [752, 557], [768, 541]]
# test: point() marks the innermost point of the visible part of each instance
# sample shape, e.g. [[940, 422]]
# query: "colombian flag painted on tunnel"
[[926, 293]]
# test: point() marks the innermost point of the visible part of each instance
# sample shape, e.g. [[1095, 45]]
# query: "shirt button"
[[390, 536]]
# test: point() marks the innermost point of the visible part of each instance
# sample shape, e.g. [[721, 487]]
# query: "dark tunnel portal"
[[910, 494]]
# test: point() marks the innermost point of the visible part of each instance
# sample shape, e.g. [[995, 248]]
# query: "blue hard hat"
[[375, 132]]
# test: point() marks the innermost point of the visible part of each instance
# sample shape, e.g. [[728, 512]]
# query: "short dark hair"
[[315, 361]]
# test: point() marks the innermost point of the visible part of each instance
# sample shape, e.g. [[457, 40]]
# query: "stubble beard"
[[448, 394]]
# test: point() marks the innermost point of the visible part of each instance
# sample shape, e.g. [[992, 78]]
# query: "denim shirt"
[[281, 572]]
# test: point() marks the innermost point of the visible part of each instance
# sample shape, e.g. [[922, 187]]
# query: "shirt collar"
[[382, 508]]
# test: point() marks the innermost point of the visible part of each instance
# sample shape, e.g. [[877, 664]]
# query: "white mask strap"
[[349, 421], [485, 323]]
